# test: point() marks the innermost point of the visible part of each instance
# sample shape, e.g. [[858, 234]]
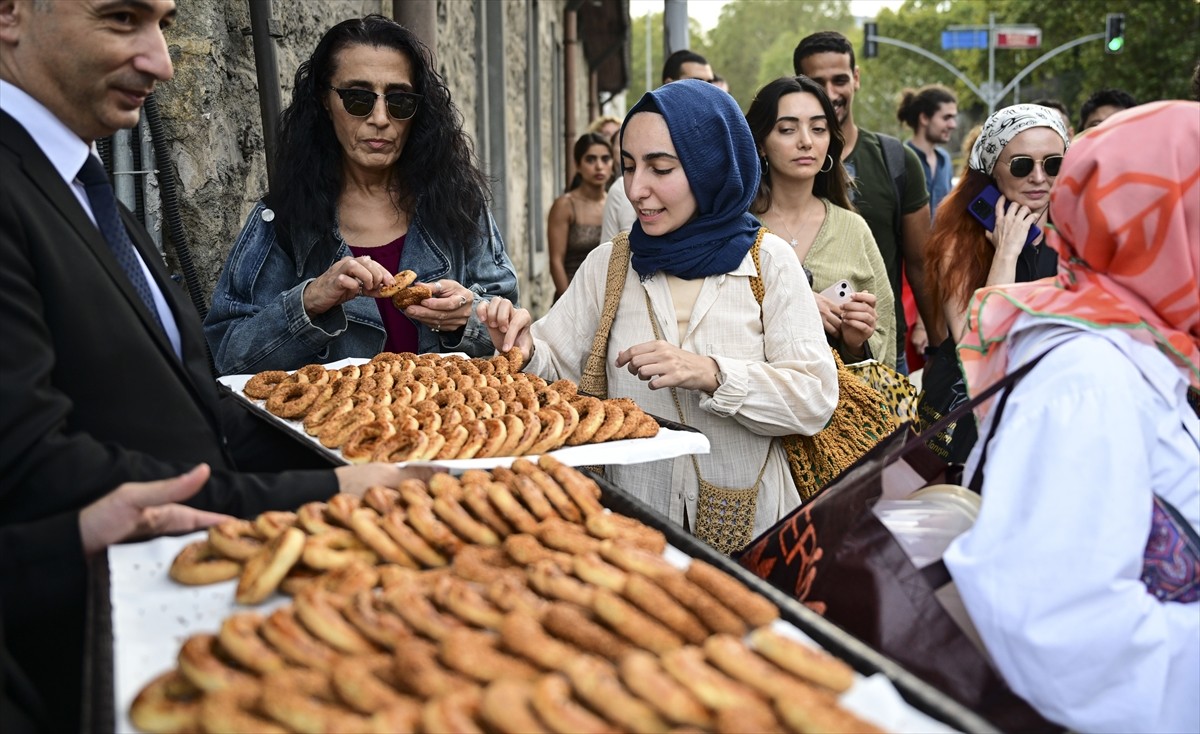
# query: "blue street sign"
[[956, 40]]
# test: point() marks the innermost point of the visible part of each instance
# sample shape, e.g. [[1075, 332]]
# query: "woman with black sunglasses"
[[1018, 153], [374, 175]]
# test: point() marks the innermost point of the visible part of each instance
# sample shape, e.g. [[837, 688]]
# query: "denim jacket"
[[257, 321]]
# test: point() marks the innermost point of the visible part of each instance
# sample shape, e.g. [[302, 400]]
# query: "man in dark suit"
[[104, 377], [52, 547]]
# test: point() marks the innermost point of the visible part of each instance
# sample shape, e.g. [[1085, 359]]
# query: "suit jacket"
[[43, 580], [92, 395], [91, 392]]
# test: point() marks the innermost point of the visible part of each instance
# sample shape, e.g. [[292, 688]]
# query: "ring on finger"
[[361, 286]]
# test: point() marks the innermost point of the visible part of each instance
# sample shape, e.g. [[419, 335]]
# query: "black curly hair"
[[436, 173]]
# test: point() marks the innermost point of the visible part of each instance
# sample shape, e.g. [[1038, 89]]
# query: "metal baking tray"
[[837, 641], [100, 708], [669, 445]]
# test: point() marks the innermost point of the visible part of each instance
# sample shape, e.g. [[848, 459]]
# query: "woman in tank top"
[[573, 226]]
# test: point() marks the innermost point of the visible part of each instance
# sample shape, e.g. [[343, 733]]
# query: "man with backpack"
[[888, 182]]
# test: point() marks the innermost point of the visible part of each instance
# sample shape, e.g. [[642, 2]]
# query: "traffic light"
[[1114, 33], [870, 48]]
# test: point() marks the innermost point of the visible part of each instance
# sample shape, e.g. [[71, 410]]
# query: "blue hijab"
[[717, 153]]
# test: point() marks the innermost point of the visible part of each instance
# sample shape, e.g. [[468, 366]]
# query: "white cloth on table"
[[784, 384], [1051, 571]]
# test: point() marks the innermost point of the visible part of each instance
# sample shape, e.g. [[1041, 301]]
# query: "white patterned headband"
[[1004, 125]]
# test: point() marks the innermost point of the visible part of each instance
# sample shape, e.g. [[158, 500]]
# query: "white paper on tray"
[[668, 444], [152, 616]]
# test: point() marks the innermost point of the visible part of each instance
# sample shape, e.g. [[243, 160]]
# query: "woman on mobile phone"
[[1018, 152], [802, 197]]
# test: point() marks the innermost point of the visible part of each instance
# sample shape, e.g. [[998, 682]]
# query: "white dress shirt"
[[1050, 572], [778, 380], [67, 153]]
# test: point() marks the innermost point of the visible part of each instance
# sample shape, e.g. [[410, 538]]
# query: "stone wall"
[[211, 113]]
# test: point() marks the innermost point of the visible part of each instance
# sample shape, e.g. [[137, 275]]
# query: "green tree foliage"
[[1161, 50], [753, 41], [637, 62]]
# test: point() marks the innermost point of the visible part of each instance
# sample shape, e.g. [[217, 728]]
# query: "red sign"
[[1018, 38]]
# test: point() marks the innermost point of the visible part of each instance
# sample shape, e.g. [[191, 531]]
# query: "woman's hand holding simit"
[[507, 325], [449, 309]]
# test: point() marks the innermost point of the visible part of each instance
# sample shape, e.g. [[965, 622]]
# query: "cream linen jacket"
[[779, 374]]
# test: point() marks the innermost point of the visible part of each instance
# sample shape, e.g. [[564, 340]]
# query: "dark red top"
[[401, 333]]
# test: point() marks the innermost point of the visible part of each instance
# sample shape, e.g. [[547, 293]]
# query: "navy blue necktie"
[[108, 219]]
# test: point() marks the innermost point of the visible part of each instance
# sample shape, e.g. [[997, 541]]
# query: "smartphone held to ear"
[[983, 208]]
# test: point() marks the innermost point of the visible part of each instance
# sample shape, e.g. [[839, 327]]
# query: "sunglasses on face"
[[1021, 166], [360, 102]]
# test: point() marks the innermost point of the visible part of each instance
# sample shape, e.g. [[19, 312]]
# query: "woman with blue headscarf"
[[688, 337]]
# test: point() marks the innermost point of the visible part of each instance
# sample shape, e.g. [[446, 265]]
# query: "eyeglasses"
[[360, 102], [1021, 166]]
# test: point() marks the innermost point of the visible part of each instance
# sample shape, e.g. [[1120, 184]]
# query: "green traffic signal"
[[1114, 33]]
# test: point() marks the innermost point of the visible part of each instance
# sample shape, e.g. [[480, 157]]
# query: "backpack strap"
[[893, 160], [594, 379]]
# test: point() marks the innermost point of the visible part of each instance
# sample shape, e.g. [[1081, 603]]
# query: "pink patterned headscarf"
[[1126, 212]]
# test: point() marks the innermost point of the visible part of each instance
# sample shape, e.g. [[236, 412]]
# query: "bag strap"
[[756, 281], [893, 160], [965, 409], [594, 379], [679, 406], [976, 484]]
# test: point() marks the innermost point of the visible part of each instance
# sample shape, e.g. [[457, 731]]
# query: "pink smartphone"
[[839, 292]]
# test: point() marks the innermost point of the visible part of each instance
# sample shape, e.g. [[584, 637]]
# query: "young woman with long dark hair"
[[573, 224], [803, 197]]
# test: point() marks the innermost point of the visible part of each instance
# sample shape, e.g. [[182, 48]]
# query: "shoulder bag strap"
[[679, 406], [965, 409], [976, 484], [893, 160], [756, 281], [594, 379]]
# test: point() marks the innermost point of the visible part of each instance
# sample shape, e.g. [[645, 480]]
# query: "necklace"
[[789, 233]]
